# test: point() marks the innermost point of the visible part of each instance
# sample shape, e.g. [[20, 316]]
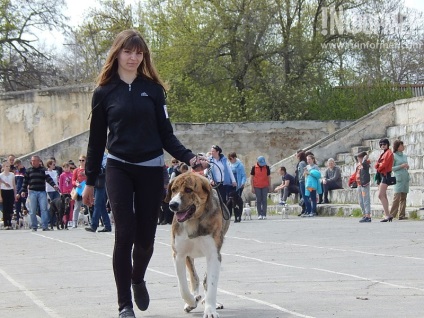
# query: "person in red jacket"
[[384, 169], [260, 181]]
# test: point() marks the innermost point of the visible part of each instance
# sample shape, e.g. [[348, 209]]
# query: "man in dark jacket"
[[287, 186], [35, 179]]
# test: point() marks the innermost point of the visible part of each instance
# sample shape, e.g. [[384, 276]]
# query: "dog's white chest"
[[195, 247]]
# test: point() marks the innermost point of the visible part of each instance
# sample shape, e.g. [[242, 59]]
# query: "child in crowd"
[[312, 186], [65, 186], [362, 178], [65, 179], [51, 192]]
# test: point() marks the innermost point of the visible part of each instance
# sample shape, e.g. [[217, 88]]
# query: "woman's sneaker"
[[127, 312], [365, 220], [141, 295]]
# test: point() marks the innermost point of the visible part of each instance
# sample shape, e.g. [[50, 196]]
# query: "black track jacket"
[[138, 123]]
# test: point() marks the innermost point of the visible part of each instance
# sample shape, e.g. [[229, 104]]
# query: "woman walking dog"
[[129, 101]]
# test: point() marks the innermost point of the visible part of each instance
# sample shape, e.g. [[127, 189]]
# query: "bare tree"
[[22, 64]]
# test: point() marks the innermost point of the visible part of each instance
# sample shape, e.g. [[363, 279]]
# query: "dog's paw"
[[210, 313], [188, 308]]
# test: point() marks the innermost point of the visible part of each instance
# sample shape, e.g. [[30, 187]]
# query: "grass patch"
[[340, 212], [414, 215], [356, 213]]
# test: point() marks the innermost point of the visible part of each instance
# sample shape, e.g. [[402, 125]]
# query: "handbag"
[[377, 178], [391, 180], [354, 185], [74, 194]]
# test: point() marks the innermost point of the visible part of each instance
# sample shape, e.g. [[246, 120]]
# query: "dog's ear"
[[168, 192], [206, 185]]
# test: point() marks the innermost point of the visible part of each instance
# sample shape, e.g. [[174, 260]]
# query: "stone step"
[[345, 157], [401, 130], [415, 198], [358, 149], [416, 176], [341, 210]]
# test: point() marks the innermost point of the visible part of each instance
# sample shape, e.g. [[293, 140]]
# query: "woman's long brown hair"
[[130, 40]]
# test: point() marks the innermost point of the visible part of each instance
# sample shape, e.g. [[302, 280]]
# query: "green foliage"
[[229, 60], [414, 215], [352, 102], [340, 212], [356, 213]]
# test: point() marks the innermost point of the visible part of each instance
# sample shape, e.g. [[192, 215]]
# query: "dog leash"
[[224, 209]]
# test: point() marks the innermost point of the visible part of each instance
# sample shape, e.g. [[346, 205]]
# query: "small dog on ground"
[[235, 202], [284, 212], [83, 217], [247, 212], [14, 222], [26, 220]]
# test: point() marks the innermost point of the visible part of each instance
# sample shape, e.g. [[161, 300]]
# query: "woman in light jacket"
[[401, 188], [312, 186], [239, 173]]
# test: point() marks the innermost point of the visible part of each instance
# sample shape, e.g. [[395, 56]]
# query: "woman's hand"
[[88, 195], [199, 163]]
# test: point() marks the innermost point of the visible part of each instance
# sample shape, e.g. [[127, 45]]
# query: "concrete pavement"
[[296, 267]]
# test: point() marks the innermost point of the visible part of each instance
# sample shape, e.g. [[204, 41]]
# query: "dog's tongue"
[[183, 215]]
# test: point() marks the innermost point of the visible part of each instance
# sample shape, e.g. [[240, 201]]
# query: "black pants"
[[135, 194], [330, 185], [8, 197]]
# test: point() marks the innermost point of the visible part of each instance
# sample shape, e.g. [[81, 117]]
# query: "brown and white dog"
[[198, 229]]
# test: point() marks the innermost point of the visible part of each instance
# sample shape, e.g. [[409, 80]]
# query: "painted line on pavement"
[[258, 301], [325, 248], [30, 295]]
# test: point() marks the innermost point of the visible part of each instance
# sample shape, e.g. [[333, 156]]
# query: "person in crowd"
[[401, 188], [72, 165], [239, 173], [129, 87], [11, 159], [362, 178], [178, 169], [65, 186], [56, 167], [52, 172], [174, 165], [19, 180], [301, 165], [296, 178], [65, 179], [312, 186], [221, 173], [165, 215], [78, 181], [260, 182], [332, 180], [8, 192], [384, 168], [34, 185], [100, 199], [287, 185]]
